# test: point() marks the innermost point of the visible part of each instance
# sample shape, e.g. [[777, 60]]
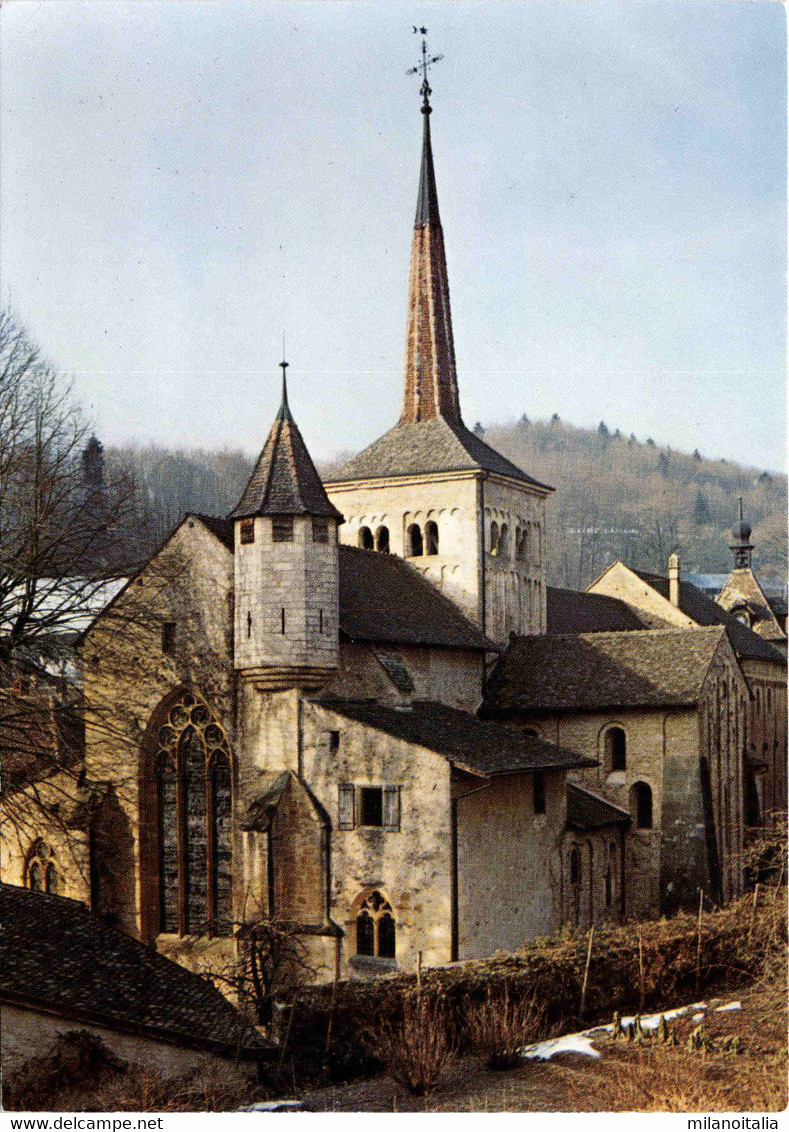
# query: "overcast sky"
[[182, 182]]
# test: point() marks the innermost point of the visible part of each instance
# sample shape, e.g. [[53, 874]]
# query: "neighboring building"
[[663, 602], [661, 713], [63, 970]]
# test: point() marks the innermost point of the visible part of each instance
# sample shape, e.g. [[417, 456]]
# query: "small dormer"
[[286, 569]]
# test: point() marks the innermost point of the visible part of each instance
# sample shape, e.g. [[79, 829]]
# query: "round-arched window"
[[641, 805], [366, 539], [615, 749], [414, 541]]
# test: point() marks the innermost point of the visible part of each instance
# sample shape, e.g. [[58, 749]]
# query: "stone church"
[[344, 706]]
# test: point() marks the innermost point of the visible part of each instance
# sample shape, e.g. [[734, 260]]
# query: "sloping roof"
[[421, 447], [284, 480], [588, 811], [573, 612], [223, 529], [471, 743], [54, 953], [384, 599], [587, 671], [701, 609], [261, 809]]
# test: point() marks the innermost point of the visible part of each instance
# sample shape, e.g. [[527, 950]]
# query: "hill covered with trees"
[[616, 497]]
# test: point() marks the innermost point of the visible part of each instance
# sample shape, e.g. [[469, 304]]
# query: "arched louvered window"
[[414, 541], [494, 538], [193, 777]]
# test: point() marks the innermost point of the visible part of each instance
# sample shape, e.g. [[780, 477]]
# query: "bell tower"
[[430, 490], [286, 631]]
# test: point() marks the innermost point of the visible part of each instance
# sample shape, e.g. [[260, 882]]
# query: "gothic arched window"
[[41, 872], [375, 927], [193, 799]]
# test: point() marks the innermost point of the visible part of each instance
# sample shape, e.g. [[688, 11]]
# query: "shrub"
[[416, 1047], [498, 1028], [76, 1058]]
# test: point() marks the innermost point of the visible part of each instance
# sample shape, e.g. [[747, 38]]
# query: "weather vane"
[[422, 67]]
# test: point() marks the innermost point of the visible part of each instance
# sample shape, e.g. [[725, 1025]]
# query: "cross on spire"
[[422, 68]]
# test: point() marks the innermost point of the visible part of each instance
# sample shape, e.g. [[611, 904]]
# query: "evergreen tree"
[[602, 430], [701, 510], [93, 462], [479, 430]]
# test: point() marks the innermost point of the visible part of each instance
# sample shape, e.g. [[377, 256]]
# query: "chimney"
[[673, 579]]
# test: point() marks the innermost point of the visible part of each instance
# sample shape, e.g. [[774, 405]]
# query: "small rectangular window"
[[247, 532], [334, 741], [320, 530], [282, 528], [538, 787], [345, 805], [392, 807], [282, 621], [371, 810], [168, 636]]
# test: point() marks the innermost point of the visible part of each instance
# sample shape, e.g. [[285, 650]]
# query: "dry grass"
[[499, 1027], [416, 1047]]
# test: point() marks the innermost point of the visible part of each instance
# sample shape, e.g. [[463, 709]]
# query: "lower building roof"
[[56, 955], [592, 671], [572, 612], [480, 746], [588, 811]]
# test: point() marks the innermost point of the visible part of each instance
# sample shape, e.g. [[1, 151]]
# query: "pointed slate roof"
[[284, 480], [430, 436]]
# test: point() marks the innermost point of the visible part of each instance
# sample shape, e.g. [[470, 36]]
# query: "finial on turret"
[[422, 68], [284, 409]]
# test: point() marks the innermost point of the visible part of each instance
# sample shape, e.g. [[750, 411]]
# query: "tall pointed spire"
[[431, 388]]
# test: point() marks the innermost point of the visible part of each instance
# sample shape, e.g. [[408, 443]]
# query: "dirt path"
[[625, 1077]]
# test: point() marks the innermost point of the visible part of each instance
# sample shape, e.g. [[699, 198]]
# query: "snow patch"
[[569, 1043], [273, 1106], [728, 1006]]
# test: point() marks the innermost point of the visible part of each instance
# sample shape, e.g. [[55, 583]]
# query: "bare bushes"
[[415, 1047], [498, 1028], [75, 1059]]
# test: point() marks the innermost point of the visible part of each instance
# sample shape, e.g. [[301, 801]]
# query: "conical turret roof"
[[285, 480]]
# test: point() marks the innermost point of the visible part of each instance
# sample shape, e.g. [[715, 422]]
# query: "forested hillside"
[[615, 498]]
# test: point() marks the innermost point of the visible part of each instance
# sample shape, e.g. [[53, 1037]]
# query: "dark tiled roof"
[[573, 612], [588, 811], [420, 447], [223, 529], [777, 603], [284, 480], [653, 668], [474, 744], [56, 954], [701, 609], [384, 599]]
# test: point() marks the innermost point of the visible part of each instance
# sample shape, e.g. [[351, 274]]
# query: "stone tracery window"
[[192, 770], [41, 872], [375, 927]]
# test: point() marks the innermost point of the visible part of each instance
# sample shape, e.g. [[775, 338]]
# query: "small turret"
[[286, 568], [741, 545]]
